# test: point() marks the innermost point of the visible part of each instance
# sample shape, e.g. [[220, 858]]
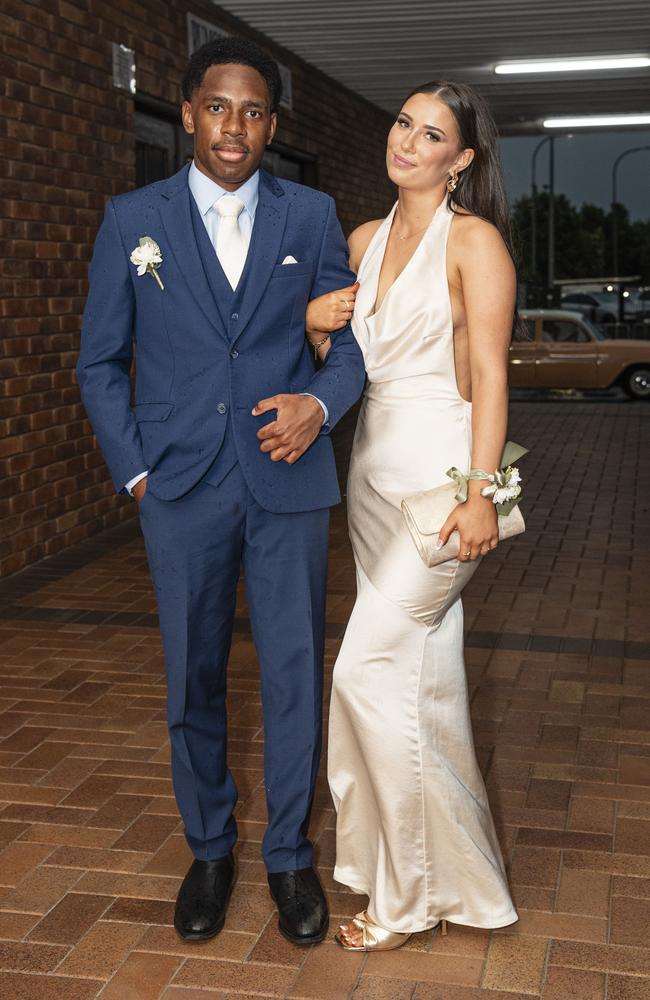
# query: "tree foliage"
[[583, 241]]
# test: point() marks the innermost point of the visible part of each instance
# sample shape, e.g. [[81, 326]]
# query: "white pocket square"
[[289, 260]]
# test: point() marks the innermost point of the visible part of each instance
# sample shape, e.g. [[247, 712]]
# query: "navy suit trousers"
[[195, 547]]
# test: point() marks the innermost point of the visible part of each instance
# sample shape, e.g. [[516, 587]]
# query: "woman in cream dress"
[[434, 316]]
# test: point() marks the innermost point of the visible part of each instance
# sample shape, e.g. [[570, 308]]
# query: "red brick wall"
[[66, 145]]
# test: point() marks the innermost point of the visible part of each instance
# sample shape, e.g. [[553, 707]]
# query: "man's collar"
[[206, 191]]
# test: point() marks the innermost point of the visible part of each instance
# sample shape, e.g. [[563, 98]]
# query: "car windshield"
[[595, 329]]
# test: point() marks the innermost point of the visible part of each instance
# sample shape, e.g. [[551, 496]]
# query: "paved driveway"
[[558, 660]]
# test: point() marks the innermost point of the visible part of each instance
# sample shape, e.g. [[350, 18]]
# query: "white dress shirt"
[[205, 192]]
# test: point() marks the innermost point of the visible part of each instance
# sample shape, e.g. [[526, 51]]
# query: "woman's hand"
[[331, 311], [476, 523]]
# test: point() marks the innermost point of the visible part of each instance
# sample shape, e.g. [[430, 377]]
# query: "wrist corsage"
[[504, 489], [504, 483]]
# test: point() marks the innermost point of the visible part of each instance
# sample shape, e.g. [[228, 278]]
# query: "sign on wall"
[[199, 32], [287, 86], [123, 67]]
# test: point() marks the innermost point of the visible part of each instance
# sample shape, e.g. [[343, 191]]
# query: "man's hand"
[[297, 424], [140, 489]]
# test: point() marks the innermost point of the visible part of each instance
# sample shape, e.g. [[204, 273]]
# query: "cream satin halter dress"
[[414, 830]]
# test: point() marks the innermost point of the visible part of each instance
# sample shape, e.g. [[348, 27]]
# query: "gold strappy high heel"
[[376, 938]]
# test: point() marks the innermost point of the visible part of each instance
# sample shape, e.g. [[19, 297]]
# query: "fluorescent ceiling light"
[[597, 121], [573, 65]]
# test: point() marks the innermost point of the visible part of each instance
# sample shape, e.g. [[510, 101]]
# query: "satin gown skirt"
[[414, 830]]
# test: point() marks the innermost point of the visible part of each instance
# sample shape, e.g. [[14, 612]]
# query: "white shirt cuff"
[[131, 483], [326, 413]]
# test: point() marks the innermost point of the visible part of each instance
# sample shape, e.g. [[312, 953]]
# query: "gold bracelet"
[[319, 345]]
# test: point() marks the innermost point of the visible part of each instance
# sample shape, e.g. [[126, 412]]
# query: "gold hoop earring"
[[452, 183]]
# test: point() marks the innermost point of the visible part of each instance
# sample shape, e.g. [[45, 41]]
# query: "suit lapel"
[[266, 240], [175, 212]]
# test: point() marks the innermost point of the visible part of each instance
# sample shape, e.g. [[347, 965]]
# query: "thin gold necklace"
[[416, 233]]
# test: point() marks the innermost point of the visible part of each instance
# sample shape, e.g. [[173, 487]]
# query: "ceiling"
[[383, 48]]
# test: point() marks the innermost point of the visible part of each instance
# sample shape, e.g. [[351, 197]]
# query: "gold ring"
[[468, 553]]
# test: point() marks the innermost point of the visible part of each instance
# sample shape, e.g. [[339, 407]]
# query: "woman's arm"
[[489, 289], [488, 284]]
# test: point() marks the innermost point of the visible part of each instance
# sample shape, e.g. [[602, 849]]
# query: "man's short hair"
[[232, 49]]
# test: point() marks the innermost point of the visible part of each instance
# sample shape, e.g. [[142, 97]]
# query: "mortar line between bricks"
[[184, 960], [302, 963], [42, 916], [547, 962], [131, 951], [610, 891], [358, 978], [483, 971]]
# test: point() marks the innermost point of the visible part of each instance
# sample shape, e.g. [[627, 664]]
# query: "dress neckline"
[[382, 246]]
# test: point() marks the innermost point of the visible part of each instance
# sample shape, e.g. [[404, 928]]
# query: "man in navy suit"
[[227, 453]]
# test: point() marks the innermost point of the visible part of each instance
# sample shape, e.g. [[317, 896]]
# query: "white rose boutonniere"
[[148, 258]]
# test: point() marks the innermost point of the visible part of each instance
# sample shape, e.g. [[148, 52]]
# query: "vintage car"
[[599, 307], [566, 351]]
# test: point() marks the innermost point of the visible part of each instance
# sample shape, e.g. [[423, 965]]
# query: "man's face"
[[231, 121]]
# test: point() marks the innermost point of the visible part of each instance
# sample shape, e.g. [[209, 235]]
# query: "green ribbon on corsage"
[[498, 480], [462, 479]]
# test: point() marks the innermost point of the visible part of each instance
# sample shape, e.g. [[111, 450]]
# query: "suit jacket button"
[[221, 408], [235, 316], [234, 354]]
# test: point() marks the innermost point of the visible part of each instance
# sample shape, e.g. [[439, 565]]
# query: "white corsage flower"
[[504, 486], [147, 258]]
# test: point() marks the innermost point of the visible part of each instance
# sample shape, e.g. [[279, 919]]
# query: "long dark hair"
[[480, 189]]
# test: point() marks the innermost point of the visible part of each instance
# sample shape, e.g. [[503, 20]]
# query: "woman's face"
[[423, 145]]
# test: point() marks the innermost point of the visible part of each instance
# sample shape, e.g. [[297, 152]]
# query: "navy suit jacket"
[[206, 355]]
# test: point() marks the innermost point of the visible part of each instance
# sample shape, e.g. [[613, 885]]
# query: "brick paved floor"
[[558, 655]]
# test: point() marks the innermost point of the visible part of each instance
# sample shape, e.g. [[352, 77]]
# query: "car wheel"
[[636, 382]]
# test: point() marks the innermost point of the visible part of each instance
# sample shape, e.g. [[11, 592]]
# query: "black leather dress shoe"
[[203, 899], [301, 904]]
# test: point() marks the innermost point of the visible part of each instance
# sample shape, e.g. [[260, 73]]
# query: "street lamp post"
[[533, 204], [550, 270], [626, 152], [550, 265]]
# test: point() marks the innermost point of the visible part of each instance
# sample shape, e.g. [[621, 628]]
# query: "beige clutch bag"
[[425, 513]]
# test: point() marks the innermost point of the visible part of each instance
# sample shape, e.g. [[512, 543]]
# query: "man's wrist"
[[326, 415], [133, 482]]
